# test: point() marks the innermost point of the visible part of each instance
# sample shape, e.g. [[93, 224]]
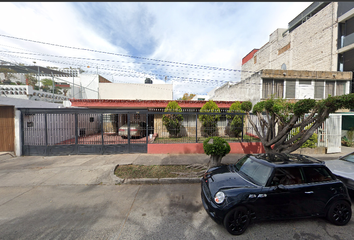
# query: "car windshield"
[[349, 158], [255, 171]]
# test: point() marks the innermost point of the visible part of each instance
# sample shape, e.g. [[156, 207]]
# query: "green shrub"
[[217, 147], [209, 122], [172, 122], [236, 123], [310, 143]]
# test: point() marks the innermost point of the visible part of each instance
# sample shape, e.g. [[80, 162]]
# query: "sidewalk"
[[99, 169]]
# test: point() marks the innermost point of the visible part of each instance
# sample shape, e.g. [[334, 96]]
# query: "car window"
[[316, 174], [287, 176], [349, 158], [256, 171]]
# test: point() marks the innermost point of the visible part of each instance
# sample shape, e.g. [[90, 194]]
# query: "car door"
[[319, 189], [280, 199]]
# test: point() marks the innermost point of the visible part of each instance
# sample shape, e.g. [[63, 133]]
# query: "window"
[[319, 88], [92, 119], [271, 86], [267, 88], [329, 88], [340, 88], [316, 174], [287, 176], [30, 124], [290, 89]]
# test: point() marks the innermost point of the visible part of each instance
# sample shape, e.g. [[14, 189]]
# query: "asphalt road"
[[133, 212]]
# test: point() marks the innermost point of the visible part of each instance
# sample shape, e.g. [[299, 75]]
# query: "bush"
[[217, 147], [310, 143], [236, 123], [172, 122], [209, 122]]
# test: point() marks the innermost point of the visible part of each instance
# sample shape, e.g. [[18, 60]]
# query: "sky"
[[196, 46]]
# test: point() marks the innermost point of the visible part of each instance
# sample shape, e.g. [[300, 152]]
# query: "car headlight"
[[219, 197]]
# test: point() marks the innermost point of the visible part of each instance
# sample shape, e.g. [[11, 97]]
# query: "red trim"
[[185, 148], [107, 103]]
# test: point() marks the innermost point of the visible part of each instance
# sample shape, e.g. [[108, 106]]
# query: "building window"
[[30, 124], [290, 89], [329, 88], [340, 88], [272, 87], [92, 119], [319, 89]]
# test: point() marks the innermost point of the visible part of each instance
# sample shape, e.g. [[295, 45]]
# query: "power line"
[[122, 55]]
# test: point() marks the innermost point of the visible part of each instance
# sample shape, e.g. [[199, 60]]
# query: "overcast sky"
[[196, 46]]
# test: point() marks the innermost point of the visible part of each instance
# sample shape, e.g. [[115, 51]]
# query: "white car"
[[343, 168]]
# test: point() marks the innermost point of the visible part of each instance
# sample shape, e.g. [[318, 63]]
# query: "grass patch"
[[158, 171]]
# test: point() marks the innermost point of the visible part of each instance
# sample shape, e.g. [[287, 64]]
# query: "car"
[[136, 130], [343, 168], [273, 186]]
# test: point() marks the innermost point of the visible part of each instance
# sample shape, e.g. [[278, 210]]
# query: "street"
[[71, 198]]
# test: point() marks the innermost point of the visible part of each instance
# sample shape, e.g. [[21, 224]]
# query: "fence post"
[[196, 127], [242, 129], [45, 133], [102, 133], [76, 129]]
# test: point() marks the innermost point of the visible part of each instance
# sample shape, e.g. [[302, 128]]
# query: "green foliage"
[[187, 97], [32, 81], [236, 123], [209, 122], [311, 142], [246, 106], [350, 133], [172, 122], [304, 106], [216, 147]]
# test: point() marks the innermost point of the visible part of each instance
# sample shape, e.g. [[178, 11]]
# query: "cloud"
[[217, 34]]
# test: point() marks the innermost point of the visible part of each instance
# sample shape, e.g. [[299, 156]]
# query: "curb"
[[118, 180]]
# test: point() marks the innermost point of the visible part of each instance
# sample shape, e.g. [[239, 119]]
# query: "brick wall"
[[311, 46]]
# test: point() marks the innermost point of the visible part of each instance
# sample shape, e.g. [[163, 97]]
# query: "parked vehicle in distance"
[[273, 186], [136, 130], [343, 168]]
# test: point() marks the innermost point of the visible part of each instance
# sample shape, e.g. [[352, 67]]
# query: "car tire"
[[339, 213], [237, 220]]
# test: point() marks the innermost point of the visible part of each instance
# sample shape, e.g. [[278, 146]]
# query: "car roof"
[[277, 159]]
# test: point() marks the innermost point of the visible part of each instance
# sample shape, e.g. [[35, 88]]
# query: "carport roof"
[[125, 104]]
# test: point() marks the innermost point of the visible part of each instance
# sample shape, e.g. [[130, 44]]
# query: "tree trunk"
[[215, 160]]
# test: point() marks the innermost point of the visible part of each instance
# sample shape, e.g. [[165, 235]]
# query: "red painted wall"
[[249, 56], [184, 148]]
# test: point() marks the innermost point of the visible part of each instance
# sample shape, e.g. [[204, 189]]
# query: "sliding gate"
[[51, 132]]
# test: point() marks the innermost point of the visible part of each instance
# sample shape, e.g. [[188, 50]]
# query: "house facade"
[[286, 84]]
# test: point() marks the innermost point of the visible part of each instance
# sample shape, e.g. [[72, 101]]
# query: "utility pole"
[[72, 73]]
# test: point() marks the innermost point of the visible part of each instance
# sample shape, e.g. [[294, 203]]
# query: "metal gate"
[[50, 132], [333, 132]]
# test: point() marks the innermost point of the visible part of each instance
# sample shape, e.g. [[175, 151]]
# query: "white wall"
[[135, 91]]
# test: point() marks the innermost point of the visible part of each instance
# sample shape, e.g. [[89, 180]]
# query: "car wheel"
[[237, 220], [339, 213]]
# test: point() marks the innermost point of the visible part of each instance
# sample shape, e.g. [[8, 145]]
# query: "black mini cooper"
[[273, 186]]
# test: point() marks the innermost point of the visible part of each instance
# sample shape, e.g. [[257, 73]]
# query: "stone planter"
[[307, 151]]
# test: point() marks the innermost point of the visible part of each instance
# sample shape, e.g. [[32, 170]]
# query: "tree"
[[209, 122], [31, 80], [281, 117], [8, 75], [47, 84], [236, 120], [187, 97], [217, 148], [172, 122]]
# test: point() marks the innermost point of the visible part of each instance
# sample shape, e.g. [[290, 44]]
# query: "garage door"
[[7, 129]]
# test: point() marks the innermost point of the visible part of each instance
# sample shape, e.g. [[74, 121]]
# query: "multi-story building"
[[320, 38]]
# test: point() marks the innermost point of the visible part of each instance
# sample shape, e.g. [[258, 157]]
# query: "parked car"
[[136, 130], [343, 168], [273, 186]]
